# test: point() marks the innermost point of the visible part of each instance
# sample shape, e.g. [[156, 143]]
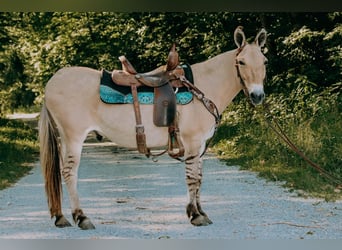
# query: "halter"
[[244, 87], [243, 84]]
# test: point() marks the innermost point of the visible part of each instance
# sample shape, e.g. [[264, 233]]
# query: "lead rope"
[[279, 131], [281, 134]]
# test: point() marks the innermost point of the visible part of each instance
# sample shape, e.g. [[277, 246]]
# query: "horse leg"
[[71, 159], [194, 180], [198, 202]]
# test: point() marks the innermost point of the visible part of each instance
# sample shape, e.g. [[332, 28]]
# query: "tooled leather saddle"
[[162, 80]]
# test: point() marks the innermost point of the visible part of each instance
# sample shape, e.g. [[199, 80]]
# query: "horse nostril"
[[262, 96], [257, 97]]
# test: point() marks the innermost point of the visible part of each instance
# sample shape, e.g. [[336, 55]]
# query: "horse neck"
[[217, 79]]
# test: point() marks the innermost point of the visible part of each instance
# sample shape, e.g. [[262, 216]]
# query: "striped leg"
[[194, 210], [69, 171]]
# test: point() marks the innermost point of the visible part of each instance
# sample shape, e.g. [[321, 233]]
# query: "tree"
[[301, 48]]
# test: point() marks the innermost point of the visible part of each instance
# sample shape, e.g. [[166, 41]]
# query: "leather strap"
[[175, 142], [139, 128]]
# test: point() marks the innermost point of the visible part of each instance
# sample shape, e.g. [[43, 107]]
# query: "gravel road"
[[127, 195]]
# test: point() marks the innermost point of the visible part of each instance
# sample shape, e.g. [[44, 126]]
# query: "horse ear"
[[260, 38], [239, 37]]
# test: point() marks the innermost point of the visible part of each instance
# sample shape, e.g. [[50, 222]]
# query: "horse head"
[[251, 64]]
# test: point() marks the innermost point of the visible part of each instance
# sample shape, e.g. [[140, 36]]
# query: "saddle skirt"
[[112, 93]]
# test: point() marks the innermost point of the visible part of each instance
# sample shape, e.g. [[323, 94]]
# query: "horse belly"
[[117, 122]]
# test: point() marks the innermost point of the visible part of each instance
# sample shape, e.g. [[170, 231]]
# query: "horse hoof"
[[86, 224], [61, 222], [201, 221]]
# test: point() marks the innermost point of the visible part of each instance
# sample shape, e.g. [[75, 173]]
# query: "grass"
[[314, 125], [18, 150]]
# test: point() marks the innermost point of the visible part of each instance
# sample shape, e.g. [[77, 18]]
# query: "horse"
[[72, 108]]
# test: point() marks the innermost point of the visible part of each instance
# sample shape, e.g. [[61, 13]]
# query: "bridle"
[[243, 84]]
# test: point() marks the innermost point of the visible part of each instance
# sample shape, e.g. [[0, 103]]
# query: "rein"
[[281, 134], [208, 104], [269, 118]]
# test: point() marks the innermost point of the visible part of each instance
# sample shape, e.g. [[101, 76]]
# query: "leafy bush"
[[312, 121]]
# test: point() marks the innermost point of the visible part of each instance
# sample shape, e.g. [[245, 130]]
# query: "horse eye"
[[241, 63]]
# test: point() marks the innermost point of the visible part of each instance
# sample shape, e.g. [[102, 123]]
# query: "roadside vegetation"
[[312, 121], [18, 150]]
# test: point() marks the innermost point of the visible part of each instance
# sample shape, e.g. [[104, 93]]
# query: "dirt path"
[[128, 196]]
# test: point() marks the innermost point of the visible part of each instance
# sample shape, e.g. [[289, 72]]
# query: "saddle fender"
[[164, 108]]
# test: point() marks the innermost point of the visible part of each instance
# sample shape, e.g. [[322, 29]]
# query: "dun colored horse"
[[73, 108]]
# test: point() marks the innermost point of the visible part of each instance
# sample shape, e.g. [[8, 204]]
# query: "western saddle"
[[163, 79]]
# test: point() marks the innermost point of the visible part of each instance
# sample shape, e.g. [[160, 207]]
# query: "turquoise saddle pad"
[[111, 96], [111, 93]]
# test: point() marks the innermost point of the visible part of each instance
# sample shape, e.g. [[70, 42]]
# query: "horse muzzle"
[[257, 94]]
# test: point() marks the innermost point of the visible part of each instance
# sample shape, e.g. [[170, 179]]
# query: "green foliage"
[[301, 46], [312, 122], [312, 56], [35, 45], [18, 147]]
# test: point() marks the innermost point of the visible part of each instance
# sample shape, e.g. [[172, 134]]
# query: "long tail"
[[50, 161]]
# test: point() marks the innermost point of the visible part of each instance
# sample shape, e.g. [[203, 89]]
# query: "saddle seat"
[[158, 77], [155, 78], [162, 79]]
